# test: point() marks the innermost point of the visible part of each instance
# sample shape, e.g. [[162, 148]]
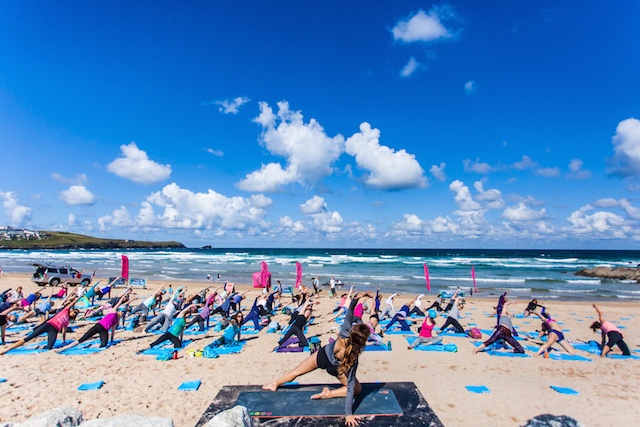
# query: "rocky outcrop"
[[617, 273], [71, 417]]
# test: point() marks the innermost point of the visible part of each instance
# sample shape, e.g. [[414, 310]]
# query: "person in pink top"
[[108, 323], [426, 332], [609, 332], [51, 327]]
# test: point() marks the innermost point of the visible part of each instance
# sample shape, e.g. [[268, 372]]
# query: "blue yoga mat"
[[376, 347], [453, 334], [565, 356], [88, 347], [620, 356], [564, 390], [477, 389], [399, 332], [3, 380], [166, 346], [190, 385], [506, 354], [91, 386], [227, 349], [36, 348]]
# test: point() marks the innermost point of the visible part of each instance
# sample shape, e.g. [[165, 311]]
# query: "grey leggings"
[[425, 340], [166, 322]]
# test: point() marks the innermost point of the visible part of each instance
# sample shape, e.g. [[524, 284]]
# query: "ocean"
[[524, 273]]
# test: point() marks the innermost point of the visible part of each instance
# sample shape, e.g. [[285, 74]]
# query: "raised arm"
[[600, 315]]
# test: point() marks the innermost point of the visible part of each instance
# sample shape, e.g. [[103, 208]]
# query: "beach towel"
[[477, 389], [91, 386], [190, 385], [564, 390], [229, 349]]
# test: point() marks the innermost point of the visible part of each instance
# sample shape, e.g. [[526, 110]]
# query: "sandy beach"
[[520, 387]]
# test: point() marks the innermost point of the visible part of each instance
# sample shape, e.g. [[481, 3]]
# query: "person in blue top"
[[340, 359], [230, 332]]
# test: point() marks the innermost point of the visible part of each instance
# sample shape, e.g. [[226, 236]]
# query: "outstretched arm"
[[600, 315]]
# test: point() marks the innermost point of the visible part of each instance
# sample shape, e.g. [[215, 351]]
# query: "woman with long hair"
[[340, 359]]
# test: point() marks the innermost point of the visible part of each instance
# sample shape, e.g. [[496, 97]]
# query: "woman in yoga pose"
[[51, 327], [340, 359], [504, 330], [556, 335], [611, 332], [174, 334], [426, 332], [103, 326]]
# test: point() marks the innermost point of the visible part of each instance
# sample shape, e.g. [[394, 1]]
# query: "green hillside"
[[64, 240]]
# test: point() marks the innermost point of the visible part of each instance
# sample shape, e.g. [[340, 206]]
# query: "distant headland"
[[12, 238], [617, 273]]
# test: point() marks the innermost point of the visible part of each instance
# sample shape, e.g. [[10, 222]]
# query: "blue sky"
[[323, 124]]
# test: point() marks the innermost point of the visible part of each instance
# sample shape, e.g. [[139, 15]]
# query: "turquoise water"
[[524, 273]]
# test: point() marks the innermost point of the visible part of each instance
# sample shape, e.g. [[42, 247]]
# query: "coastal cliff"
[[617, 273], [64, 240]]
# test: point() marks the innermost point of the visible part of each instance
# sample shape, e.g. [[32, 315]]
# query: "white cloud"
[[410, 67], [136, 166], [230, 106], [387, 169], [314, 205], [175, 207], [463, 197], [80, 179], [328, 222], [576, 171], [522, 212], [16, 213], [77, 195], [422, 27], [631, 211], [477, 166], [525, 163], [548, 172], [217, 153], [294, 226], [492, 197], [308, 151], [598, 225], [438, 172], [470, 87], [626, 146], [72, 220]]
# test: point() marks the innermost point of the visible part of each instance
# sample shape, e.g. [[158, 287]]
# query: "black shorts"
[[323, 362]]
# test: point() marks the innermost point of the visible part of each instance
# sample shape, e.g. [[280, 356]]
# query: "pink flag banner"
[[125, 267], [298, 275], [473, 276], [264, 274], [426, 277]]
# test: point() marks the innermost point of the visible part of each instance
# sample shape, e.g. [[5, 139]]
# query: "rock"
[[618, 273], [63, 416], [548, 420], [129, 420], [238, 416]]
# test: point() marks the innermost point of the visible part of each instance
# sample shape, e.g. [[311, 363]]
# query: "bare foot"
[[324, 394], [271, 386]]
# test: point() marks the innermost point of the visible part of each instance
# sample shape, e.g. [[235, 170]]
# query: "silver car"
[[54, 275]]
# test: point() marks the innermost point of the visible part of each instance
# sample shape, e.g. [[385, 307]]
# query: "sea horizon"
[[525, 273]]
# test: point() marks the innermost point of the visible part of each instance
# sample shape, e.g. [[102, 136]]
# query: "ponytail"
[[354, 345]]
